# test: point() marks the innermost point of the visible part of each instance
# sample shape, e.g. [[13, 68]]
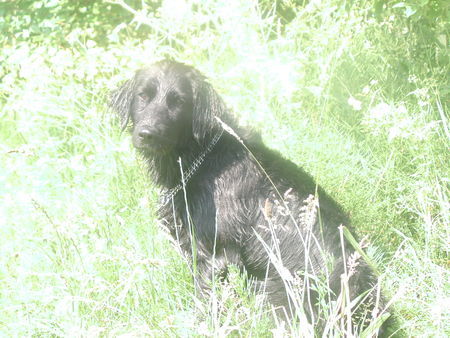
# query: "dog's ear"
[[207, 105], [120, 102]]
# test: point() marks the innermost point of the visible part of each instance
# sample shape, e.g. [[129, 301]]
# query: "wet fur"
[[236, 214]]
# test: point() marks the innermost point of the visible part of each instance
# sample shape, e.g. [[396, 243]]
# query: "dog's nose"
[[146, 134]]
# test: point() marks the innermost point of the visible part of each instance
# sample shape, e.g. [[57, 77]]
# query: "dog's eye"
[[147, 93], [174, 100], [143, 96]]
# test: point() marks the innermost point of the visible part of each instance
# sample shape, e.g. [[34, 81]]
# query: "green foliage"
[[62, 22], [356, 92], [436, 11]]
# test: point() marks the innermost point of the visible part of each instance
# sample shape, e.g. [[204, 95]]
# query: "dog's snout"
[[148, 137], [146, 133]]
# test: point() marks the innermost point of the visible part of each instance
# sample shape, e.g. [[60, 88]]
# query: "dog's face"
[[169, 106], [161, 108]]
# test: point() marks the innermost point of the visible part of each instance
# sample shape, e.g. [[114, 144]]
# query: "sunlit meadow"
[[356, 93]]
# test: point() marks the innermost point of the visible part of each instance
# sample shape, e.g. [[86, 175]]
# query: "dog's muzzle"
[[149, 138]]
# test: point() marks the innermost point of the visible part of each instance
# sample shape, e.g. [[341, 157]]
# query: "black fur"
[[247, 207]]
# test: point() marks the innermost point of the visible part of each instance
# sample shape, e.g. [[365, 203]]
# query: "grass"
[[360, 102]]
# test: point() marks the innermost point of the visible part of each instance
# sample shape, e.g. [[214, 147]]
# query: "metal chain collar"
[[187, 175]]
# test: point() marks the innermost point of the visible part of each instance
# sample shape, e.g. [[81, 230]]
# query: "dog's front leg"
[[207, 272], [213, 268]]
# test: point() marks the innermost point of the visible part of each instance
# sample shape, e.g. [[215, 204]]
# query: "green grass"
[[359, 100]]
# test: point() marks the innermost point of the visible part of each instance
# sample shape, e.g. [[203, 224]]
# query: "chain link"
[[191, 171]]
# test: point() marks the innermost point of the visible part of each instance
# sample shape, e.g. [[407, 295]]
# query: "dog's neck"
[[186, 174], [173, 170]]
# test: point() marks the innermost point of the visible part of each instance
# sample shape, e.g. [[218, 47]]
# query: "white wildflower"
[[354, 103]]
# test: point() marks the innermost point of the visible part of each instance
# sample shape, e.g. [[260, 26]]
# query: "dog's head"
[[168, 105]]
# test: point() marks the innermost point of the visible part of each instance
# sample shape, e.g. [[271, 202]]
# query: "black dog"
[[231, 200]]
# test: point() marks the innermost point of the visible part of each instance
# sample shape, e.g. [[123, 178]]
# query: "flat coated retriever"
[[230, 200]]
